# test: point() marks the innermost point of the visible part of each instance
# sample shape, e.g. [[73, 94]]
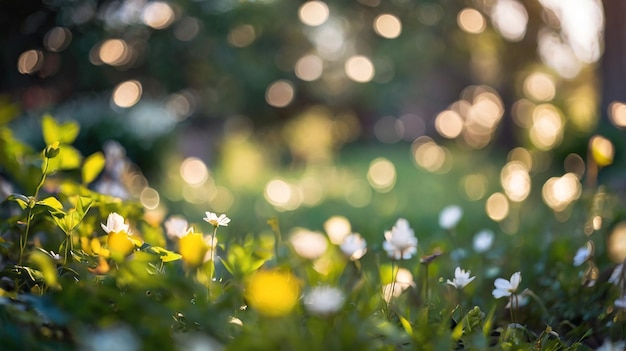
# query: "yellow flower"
[[272, 293], [193, 248], [120, 244]]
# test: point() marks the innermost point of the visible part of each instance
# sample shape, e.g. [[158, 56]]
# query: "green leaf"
[[406, 325], [164, 254], [47, 268], [92, 167], [53, 205], [64, 133], [83, 205], [68, 158], [20, 199]]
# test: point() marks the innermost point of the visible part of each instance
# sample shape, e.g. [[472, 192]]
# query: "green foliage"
[[66, 280]]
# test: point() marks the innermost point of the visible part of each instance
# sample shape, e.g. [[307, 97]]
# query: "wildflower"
[[272, 293], [192, 248], [461, 278], [400, 242], [582, 255], [176, 227], [450, 216], [324, 300], [608, 345], [354, 246], [505, 287], [216, 220], [115, 223], [308, 244], [119, 241], [483, 240]]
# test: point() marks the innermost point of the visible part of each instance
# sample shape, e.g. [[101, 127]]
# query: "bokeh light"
[[575, 164], [280, 93], [430, 156], [194, 171], [309, 67], [114, 52], [510, 18], [313, 13], [617, 114], [337, 228], [57, 39], [474, 186], [127, 94], [359, 68], [497, 207], [158, 15], [515, 181], [358, 193], [382, 175], [602, 150], [471, 21], [283, 195], [30, 62], [241, 35], [539, 87], [449, 124], [387, 26], [308, 244], [546, 131], [559, 192], [149, 198], [616, 243]]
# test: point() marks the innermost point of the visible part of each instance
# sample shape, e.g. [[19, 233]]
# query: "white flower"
[[461, 278], [450, 216], [616, 276], [115, 224], [324, 300], [216, 221], [400, 242], [176, 227], [519, 300], [505, 287], [483, 240], [354, 246], [582, 255], [608, 345], [403, 281]]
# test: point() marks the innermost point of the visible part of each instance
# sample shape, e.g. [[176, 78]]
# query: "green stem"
[[31, 204]]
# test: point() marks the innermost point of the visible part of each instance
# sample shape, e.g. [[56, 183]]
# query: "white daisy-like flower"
[[609, 345], [461, 278], [582, 255], [354, 246], [400, 241], [324, 300], [505, 287], [115, 224], [216, 220], [177, 227], [450, 216], [483, 240]]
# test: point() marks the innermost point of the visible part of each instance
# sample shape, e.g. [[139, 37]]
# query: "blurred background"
[[304, 110]]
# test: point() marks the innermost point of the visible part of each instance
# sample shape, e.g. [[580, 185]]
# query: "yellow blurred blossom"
[[193, 248], [272, 293]]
